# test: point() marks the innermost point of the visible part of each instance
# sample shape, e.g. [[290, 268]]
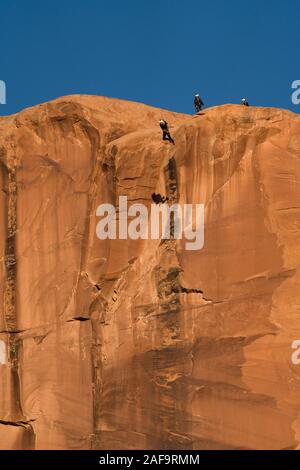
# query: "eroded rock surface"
[[141, 343]]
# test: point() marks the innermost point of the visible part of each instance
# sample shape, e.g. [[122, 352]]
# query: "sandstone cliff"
[[138, 343]]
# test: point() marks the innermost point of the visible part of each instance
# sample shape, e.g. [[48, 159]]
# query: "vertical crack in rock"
[[10, 257], [97, 312], [10, 314], [94, 138], [170, 358], [99, 307]]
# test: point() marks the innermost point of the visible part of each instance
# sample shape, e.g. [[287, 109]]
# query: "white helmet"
[[197, 96]]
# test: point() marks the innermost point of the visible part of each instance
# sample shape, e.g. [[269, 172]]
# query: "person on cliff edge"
[[244, 102], [198, 103], [166, 133]]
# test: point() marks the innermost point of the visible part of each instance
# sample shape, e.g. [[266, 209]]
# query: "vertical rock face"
[[142, 343]]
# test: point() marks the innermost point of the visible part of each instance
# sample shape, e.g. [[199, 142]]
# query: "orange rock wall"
[[140, 343]]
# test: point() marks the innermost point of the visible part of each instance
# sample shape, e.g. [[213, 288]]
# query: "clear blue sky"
[[159, 52]]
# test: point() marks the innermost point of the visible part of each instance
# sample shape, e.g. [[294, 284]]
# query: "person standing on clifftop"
[[166, 133], [244, 102], [198, 103]]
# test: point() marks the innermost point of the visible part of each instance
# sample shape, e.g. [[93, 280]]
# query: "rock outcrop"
[[133, 344]]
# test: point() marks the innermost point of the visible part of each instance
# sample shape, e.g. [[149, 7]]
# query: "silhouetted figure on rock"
[[244, 102], [166, 133], [198, 103], [158, 198]]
